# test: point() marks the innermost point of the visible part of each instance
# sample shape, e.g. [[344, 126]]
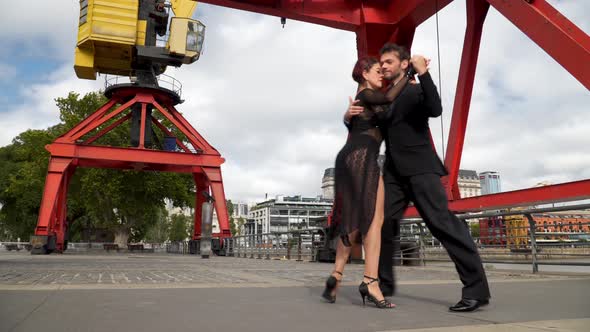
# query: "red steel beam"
[[133, 155], [414, 12], [97, 122], [169, 133], [205, 146], [564, 192], [195, 140], [91, 118], [553, 32], [339, 14], [107, 129], [113, 164], [476, 14]]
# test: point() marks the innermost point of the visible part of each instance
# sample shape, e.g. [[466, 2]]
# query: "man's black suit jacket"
[[409, 149]]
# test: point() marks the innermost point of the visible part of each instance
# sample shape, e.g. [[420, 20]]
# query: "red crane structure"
[[374, 22]]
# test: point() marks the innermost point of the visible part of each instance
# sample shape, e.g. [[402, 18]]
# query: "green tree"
[[159, 232], [230, 213], [179, 224], [23, 167], [240, 222], [127, 202], [474, 227]]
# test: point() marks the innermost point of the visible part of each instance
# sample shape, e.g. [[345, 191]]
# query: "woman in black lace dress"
[[359, 196]]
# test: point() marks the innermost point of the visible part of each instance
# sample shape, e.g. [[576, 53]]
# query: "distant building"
[[469, 184], [285, 213], [241, 210], [328, 183], [490, 182], [552, 227]]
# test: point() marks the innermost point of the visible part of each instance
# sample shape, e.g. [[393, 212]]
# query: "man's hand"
[[352, 110], [420, 64]]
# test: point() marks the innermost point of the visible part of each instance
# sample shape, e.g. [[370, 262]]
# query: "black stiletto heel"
[[331, 284], [364, 290]]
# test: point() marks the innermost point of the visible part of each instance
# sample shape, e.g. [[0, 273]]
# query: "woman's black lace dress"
[[356, 170]]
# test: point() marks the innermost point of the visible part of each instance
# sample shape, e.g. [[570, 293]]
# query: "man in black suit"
[[412, 172]]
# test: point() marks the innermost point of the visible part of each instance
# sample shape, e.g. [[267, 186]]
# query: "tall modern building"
[[490, 182], [328, 183], [285, 213]]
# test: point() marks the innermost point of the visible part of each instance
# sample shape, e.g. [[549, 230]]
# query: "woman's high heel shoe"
[[364, 290], [331, 284]]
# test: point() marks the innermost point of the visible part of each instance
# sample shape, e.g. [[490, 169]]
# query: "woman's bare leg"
[[372, 243], [342, 254]]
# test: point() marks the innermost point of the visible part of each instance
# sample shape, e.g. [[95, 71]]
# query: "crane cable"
[[442, 133]]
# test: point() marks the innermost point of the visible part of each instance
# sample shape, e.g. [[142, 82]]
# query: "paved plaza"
[[158, 292]]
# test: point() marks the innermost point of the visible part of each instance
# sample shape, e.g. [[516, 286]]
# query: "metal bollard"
[[268, 249], [241, 247], [206, 229], [533, 234], [422, 249], [278, 247], [299, 247], [313, 256], [289, 244]]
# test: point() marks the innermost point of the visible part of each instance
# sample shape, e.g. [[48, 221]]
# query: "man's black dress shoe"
[[467, 305]]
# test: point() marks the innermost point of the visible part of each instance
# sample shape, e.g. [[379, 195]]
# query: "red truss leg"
[[476, 13], [202, 188], [213, 174], [61, 222], [52, 213]]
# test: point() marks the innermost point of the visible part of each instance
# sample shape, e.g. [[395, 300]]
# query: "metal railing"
[[130, 77], [182, 248], [300, 245], [517, 238]]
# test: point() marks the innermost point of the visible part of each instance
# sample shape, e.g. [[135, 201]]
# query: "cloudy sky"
[[271, 99]]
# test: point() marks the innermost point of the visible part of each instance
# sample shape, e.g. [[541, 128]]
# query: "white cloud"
[[43, 29], [38, 109], [271, 99]]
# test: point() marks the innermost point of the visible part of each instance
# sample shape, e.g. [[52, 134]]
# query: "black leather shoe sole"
[[469, 306]]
